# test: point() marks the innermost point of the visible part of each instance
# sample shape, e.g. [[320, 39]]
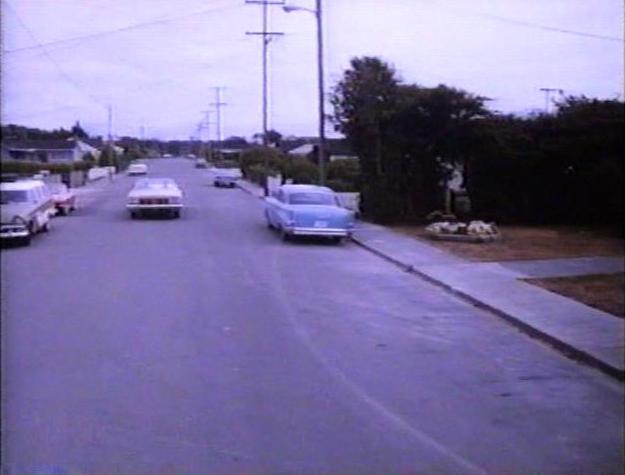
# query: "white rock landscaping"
[[475, 231]]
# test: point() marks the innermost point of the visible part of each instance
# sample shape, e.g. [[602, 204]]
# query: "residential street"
[[208, 345]]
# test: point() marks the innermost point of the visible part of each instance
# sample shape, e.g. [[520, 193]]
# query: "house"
[[230, 148], [48, 150], [335, 149]]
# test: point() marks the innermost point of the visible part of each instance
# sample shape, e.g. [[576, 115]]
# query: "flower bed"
[[475, 231]]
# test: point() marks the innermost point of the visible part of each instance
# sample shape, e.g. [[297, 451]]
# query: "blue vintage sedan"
[[308, 210]]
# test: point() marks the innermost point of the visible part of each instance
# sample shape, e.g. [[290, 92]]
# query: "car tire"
[[286, 237], [61, 211], [177, 214], [133, 215]]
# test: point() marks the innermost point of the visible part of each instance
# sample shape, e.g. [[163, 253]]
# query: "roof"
[[45, 144], [307, 146], [299, 188], [21, 184]]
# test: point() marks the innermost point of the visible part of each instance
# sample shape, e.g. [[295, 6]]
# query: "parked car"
[[64, 198], [200, 163], [26, 207], [155, 195], [137, 169], [308, 210], [225, 177]]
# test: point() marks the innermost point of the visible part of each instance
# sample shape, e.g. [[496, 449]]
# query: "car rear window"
[[312, 199]]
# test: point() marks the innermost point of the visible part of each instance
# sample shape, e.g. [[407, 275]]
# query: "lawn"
[[604, 292], [528, 243]]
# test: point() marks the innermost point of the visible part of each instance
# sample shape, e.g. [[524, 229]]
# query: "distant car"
[[64, 198], [308, 210], [26, 207], [201, 163], [137, 169], [225, 177], [155, 195]]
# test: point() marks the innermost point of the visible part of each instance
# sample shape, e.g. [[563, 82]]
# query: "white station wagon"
[[26, 207], [155, 195]]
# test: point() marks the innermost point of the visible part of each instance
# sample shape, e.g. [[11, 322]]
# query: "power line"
[[63, 74], [122, 29], [539, 26]]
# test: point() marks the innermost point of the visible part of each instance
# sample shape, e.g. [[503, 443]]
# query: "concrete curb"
[[565, 348], [244, 188]]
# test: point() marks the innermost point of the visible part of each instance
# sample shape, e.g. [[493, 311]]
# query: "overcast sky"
[[156, 61]]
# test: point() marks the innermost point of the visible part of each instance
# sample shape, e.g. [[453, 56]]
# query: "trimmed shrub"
[[346, 173], [29, 168]]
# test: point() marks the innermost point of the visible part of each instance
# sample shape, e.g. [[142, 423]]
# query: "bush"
[[257, 174], [346, 173], [341, 186], [30, 168], [274, 159], [300, 170]]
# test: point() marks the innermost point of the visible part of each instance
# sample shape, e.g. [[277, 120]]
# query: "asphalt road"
[[205, 345]]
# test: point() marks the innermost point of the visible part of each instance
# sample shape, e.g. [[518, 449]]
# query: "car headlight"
[[18, 220]]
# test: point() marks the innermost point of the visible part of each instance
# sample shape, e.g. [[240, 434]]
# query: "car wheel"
[[177, 213], [61, 211], [46, 227], [133, 215], [284, 235]]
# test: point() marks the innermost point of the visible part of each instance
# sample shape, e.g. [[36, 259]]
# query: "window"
[[313, 199], [13, 196]]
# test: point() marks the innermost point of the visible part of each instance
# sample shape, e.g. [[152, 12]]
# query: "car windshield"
[[155, 183], [312, 198], [13, 196]]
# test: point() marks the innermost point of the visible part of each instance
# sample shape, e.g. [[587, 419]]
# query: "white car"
[[137, 169], [155, 195], [26, 208]]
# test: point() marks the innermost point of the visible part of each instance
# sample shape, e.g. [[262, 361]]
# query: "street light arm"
[[292, 8]]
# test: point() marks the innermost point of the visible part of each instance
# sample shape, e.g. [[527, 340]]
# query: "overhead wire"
[[62, 73], [123, 29]]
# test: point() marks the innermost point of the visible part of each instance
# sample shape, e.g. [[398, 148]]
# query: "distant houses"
[[335, 149], [48, 150]]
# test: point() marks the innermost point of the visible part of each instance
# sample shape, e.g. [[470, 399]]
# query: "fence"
[[99, 172]]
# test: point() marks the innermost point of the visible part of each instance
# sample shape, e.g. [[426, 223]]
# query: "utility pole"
[[322, 133], [206, 125], [548, 91], [110, 123], [321, 147], [218, 104], [266, 37]]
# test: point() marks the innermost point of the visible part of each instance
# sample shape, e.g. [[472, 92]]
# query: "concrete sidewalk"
[[590, 335], [585, 333]]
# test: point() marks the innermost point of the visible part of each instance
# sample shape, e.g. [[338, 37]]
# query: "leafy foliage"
[[404, 135]]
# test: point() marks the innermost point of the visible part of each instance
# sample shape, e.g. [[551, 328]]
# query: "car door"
[[271, 204]]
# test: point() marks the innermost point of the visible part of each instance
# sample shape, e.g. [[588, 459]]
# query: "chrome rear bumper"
[[331, 232]]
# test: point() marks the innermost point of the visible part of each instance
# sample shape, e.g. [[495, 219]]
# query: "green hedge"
[[30, 168]]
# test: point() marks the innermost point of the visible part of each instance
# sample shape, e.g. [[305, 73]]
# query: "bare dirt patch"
[[603, 292], [529, 243]]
